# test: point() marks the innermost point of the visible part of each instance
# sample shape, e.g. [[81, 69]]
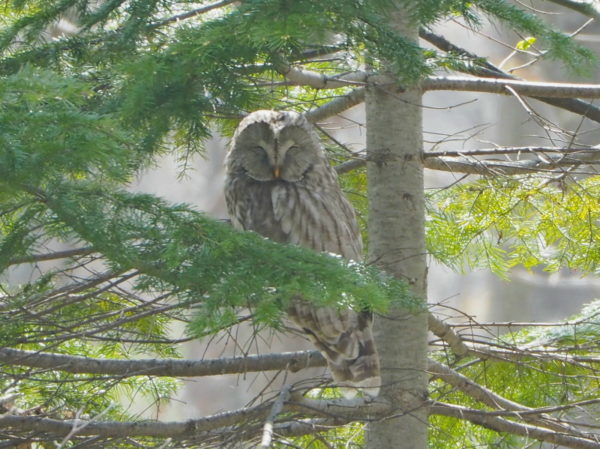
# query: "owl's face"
[[274, 149]]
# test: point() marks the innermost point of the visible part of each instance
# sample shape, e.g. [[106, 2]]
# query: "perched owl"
[[279, 184]]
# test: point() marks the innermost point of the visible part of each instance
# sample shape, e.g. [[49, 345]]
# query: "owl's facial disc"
[[295, 160], [257, 161]]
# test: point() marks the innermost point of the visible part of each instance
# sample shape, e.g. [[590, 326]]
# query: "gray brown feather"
[[279, 184]]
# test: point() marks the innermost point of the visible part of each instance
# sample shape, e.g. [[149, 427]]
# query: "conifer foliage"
[[85, 109]]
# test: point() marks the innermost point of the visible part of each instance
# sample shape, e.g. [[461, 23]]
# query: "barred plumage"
[[280, 185]]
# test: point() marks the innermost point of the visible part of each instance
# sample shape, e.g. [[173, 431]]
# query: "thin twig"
[[277, 408], [192, 13], [34, 258]]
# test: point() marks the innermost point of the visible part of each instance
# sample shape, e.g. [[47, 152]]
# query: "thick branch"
[[317, 80], [294, 361], [336, 106], [345, 411], [115, 429], [447, 334], [342, 411], [499, 86], [485, 69]]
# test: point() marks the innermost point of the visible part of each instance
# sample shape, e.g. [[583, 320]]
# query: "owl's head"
[[274, 145]]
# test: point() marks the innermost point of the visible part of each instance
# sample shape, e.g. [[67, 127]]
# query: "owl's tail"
[[345, 339]]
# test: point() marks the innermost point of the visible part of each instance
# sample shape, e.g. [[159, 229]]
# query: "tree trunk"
[[397, 245]]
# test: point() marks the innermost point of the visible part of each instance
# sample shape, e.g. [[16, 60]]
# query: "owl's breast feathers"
[[319, 219]]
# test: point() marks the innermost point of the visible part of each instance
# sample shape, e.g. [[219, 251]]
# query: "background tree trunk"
[[397, 244]]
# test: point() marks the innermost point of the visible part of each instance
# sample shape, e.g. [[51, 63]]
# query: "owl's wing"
[[345, 338]]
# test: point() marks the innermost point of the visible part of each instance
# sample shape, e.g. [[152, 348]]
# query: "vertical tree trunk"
[[397, 245]]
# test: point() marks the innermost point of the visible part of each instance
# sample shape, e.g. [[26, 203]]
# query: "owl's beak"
[[277, 172]]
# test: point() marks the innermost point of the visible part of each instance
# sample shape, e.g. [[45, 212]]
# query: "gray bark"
[[397, 245]]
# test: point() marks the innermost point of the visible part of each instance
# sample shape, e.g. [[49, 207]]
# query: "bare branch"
[[341, 411], [336, 106], [498, 86], [177, 429], [162, 367], [520, 151], [494, 422], [317, 80], [464, 162], [485, 69], [493, 167]]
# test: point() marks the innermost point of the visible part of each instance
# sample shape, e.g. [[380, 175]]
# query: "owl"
[[279, 184]]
